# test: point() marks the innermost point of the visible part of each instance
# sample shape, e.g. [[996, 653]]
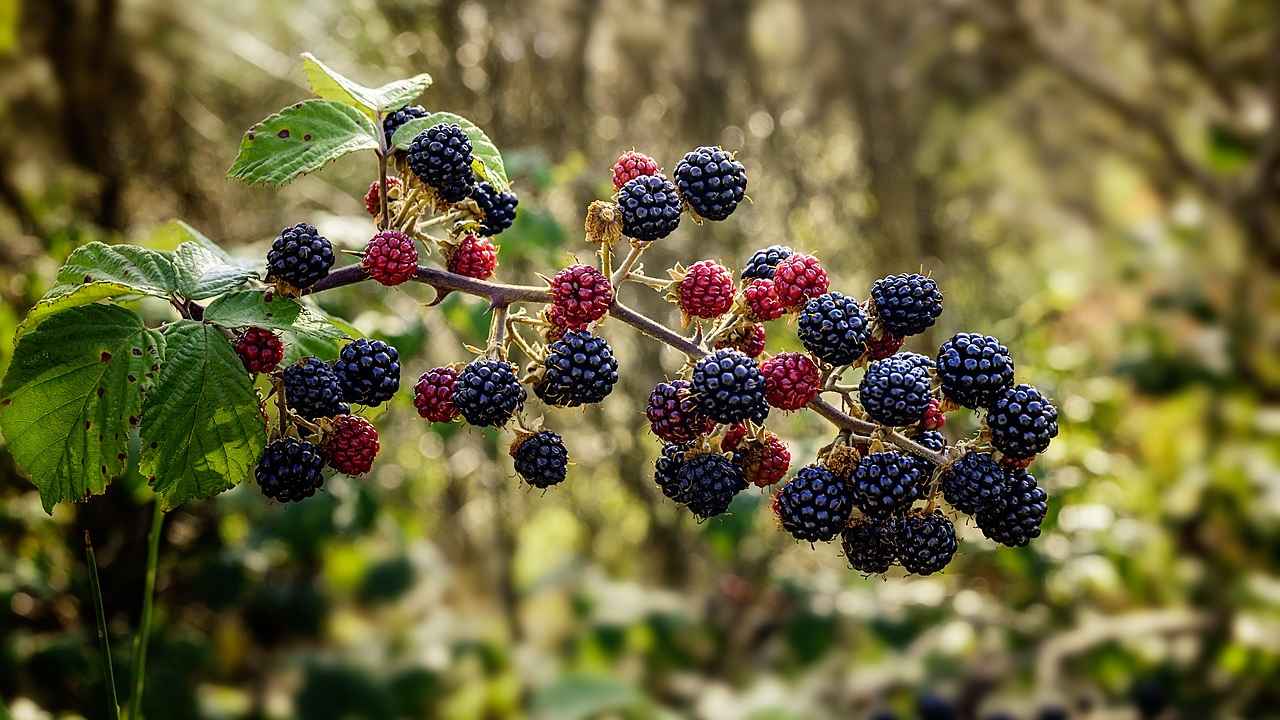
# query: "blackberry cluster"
[[926, 542], [666, 472], [290, 470], [441, 158], [973, 368], [763, 262], [730, 388], [885, 483], [895, 391], [351, 445], [815, 505], [870, 545], [487, 392], [710, 481], [368, 371], [833, 328], [974, 483], [394, 121], [579, 370], [673, 413], [299, 256], [541, 459], [312, 390], [1022, 421], [1017, 521], [499, 208], [650, 207], [711, 181], [906, 304]]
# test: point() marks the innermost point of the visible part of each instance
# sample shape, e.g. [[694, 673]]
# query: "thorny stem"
[[497, 332]]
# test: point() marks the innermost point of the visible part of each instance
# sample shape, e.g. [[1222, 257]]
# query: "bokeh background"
[[1094, 182]]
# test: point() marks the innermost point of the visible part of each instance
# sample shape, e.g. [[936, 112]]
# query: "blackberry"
[[299, 256], [393, 122], [650, 207], [933, 416], [579, 370], [906, 304], [487, 392], [541, 459], [870, 546], [760, 300], [580, 294], [895, 391], [373, 197], [390, 257], [814, 505], [833, 328], [632, 164], [882, 346], [705, 290], [926, 542], [799, 278], [351, 445], [973, 368], [974, 483], [763, 462], [312, 390], [791, 380], [474, 257], [1018, 520], [433, 394], [933, 440], [886, 482], [369, 371], [666, 472], [1022, 421], [730, 387], [260, 350], [935, 707], [673, 413], [441, 158], [748, 339], [711, 181], [711, 481], [499, 208], [763, 262], [290, 470]]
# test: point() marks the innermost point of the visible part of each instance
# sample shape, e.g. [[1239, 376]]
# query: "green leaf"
[[333, 85], [482, 148], [67, 298], [202, 429], [174, 233], [72, 394], [247, 308], [580, 696], [202, 274], [299, 139]]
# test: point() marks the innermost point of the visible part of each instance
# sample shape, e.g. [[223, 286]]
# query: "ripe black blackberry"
[[290, 470], [499, 208], [1018, 520], [895, 391], [886, 482], [666, 472], [299, 256], [973, 368], [368, 371], [673, 413], [906, 304], [870, 545], [762, 262], [393, 122], [729, 387], [711, 481], [833, 328], [650, 207], [580, 370], [974, 483], [441, 158], [926, 542], [711, 181], [933, 440], [815, 504], [312, 390], [1022, 421], [541, 458], [487, 392]]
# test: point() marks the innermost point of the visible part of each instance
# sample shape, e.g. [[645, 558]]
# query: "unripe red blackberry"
[[260, 350], [733, 437], [541, 458], [798, 278], [833, 328], [351, 445], [711, 181], [581, 294], [926, 542], [729, 387], [559, 324], [814, 505], [791, 380], [674, 415], [299, 256], [973, 368], [760, 298], [748, 339], [631, 165], [974, 483], [441, 158], [1022, 421], [933, 418], [373, 198], [1017, 521], [433, 394], [763, 462], [706, 290], [906, 304], [763, 262], [488, 393], [290, 470], [895, 391], [580, 369], [475, 257], [887, 482], [710, 481], [497, 207], [883, 345], [871, 546], [391, 258], [650, 207]]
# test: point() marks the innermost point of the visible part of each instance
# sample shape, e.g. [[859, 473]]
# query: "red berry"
[[748, 339], [882, 346], [260, 350], [791, 380], [706, 290], [1016, 463], [390, 257], [475, 257], [433, 394], [631, 165], [351, 445], [933, 417], [733, 437], [559, 325], [674, 415], [761, 300], [763, 462], [580, 295], [798, 278], [373, 198]]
